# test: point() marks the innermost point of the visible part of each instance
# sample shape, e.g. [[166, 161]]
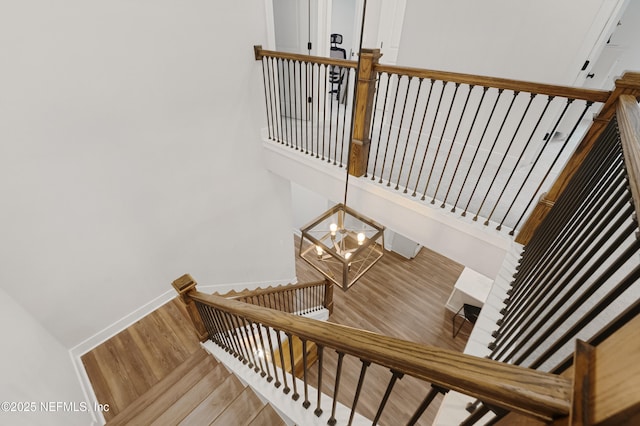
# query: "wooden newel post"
[[629, 84], [328, 295], [366, 87], [184, 285]]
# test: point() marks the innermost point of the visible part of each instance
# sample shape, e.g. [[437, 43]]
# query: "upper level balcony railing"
[[483, 147]]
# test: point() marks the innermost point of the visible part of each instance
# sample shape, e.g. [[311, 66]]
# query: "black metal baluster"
[[535, 162], [406, 146], [504, 156], [248, 327], [286, 388], [524, 149], [610, 270], [272, 355], [433, 392], [476, 416], [394, 377], [560, 268], [305, 403], [307, 109], [316, 81], [540, 279], [207, 323], [464, 147], [332, 420], [395, 150], [324, 112], [539, 244], [243, 340], [435, 157], [330, 125], [384, 109], [335, 148], [373, 119], [475, 154], [393, 113], [433, 126], [301, 102], [286, 66], [587, 318], [318, 410], [596, 262], [344, 126], [486, 161], [292, 363], [281, 66], [453, 143], [266, 98], [222, 331], [263, 352], [234, 334], [363, 371], [413, 159], [558, 250]]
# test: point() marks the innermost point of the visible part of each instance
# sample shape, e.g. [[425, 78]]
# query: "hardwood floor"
[[126, 366], [397, 297], [401, 298]]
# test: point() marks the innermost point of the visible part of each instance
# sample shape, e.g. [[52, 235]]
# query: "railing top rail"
[[278, 289], [499, 83], [519, 389], [259, 52], [628, 114]]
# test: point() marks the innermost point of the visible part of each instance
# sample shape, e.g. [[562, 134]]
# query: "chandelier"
[[342, 244]]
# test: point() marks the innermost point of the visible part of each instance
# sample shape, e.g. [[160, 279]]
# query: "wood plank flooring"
[[397, 297], [126, 366], [401, 298]]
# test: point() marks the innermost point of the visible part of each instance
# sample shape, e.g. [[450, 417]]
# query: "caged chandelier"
[[342, 244]]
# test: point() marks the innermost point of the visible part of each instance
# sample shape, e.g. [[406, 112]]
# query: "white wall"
[[36, 368], [343, 14], [544, 41], [131, 155]]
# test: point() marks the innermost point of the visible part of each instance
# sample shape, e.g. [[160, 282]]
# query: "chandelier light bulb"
[[319, 250], [360, 238], [333, 228], [347, 255]]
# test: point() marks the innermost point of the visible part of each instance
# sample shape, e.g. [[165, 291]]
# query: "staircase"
[[201, 391]]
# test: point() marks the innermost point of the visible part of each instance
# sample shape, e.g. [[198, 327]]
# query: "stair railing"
[[299, 299], [579, 275], [479, 146], [252, 333]]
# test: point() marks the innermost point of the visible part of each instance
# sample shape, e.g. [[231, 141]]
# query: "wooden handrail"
[[259, 53], [628, 114], [541, 395], [499, 83], [270, 290]]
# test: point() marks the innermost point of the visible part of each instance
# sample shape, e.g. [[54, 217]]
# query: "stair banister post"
[[629, 84], [184, 285], [365, 91], [328, 295]]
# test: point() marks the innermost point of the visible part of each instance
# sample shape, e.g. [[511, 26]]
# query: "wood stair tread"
[[150, 405], [193, 397], [267, 417], [214, 404], [241, 410]]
